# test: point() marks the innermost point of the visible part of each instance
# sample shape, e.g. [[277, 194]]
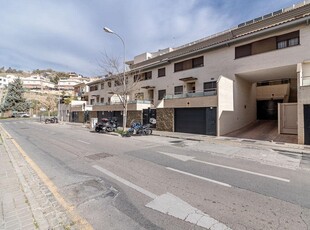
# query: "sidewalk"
[[26, 203], [234, 141], [299, 149]]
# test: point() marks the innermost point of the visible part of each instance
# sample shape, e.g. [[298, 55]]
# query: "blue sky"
[[67, 35]]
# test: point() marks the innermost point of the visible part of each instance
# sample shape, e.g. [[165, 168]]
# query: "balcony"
[[205, 93], [118, 106], [192, 99]]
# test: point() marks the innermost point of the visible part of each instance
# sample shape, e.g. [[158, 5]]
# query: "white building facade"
[[227, 81]]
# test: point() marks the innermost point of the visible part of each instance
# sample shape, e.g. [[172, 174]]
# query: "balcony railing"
[[129, 102], [206, 93]]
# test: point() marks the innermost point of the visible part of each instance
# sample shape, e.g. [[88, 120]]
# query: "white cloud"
[[67, 35]]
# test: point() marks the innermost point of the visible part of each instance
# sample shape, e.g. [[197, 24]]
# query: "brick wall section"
[[134, 116], [165, 119]]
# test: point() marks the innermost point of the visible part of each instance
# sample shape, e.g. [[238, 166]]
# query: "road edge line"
[[52, 187]]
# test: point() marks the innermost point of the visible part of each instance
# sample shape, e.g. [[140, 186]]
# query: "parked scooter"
[[106, 125], [139, 129], [51, 120]]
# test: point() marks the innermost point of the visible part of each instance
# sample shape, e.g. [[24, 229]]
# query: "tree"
[[14, 99], [123, 86]]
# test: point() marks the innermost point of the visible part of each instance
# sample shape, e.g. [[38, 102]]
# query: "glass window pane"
[[293, 42], [281, 45]]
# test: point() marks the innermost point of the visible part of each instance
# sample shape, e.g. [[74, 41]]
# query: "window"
[[274, 82], [102, 85], [109, 84], [178, 90], [161, 94], [93, 88], [209, 88], [243, 51], [139, 96], [162, 72], [92, 101], [147, 75], [293, 42], [117, 83], [143, 76], [281, 45], [136, 78], [268, 44], [198, 62], [102, 100], [188, 64], [288, 40], [178, 66]]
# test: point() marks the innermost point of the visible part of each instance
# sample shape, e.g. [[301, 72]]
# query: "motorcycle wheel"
[[97, 129], [47, 121], [130, 132], [148, 132]]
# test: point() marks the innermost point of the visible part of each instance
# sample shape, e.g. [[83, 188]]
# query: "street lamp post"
[[106, 29]]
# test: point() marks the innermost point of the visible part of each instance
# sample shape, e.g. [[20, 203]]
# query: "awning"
[[148, 87], [188, 79]]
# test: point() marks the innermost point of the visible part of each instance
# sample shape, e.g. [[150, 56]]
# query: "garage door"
[[307, 124], [195, 120]]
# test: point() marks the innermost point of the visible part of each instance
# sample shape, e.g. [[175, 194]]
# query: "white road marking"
[[199, 177], [125, 182], [172, 205], [242, 170], [176, 207], [189, 158], [177, 156], [84, 142]]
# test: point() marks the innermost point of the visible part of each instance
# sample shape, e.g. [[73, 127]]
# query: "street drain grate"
[[99, 156]]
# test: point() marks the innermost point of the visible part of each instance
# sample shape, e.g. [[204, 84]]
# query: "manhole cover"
[[99, 156]]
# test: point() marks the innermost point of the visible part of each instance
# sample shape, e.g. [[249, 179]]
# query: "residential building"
[[81, 91], [68, 83], [37, 82], [259, 70], [6, 79]]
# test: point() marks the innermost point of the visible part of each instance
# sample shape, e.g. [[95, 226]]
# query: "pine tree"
[[14, 99]]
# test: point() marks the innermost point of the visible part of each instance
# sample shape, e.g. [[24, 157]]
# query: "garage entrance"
[[268, 109], [195, 120], [307, 124]]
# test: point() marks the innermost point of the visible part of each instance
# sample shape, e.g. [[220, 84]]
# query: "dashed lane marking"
[[199, 177]]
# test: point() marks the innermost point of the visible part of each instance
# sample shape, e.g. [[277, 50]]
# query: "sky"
[[68, 36]]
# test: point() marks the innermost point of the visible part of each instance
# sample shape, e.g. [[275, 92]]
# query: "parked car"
[[25, 115], [20, 114]]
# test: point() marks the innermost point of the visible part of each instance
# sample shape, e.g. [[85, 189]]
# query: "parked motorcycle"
[[51, 120], [139, 129], [106, 125]]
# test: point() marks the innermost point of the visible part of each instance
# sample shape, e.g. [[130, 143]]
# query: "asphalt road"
[[151, 182]]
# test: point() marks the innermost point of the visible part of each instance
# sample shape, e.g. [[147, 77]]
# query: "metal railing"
[[206, 93], [129, 102]]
